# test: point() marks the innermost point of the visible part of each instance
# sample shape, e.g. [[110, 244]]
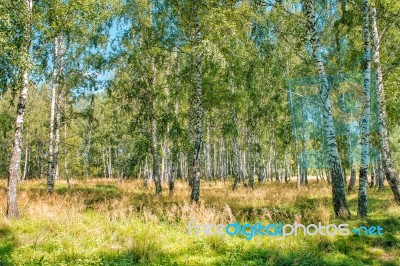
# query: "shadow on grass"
[[91, 195], [330, 254], [272, 257], [350, 251], [7, 245], [370, 250], [374, 203]]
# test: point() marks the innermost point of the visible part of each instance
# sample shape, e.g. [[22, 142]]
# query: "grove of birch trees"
[[167, 90]]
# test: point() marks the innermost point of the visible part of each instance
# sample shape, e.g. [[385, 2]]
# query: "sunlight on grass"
[[106, 222]]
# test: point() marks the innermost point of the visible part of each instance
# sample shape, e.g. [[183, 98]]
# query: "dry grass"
[[106, 222], [114, 198]]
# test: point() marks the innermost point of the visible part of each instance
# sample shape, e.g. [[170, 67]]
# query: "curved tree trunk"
[[339, 198], [14, 172], [390, 173]]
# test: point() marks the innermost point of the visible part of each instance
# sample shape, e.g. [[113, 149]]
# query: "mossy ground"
[[111, 222]]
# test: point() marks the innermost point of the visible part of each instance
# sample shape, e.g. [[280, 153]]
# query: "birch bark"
[[388, 169], [14, 166], [198, 113], [338, 194]]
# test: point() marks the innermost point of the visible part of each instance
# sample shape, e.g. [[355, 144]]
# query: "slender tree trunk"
[[26, 160], [198, 113], [304, 159], [380, 174], [14, 166], [243, 169], [250, 156], [163, 164], [53, 106], [373, 172], [175, 127], [191, 138], [154, 146], [55, 168], [168, 157], [167, 162], [296, 148], [350, 159], [339, 198], [352, 181], [175, 151], [235, 146], [390, 172], [363, 180], [286, 167], [146, 174], [208, 153], [198, 133], [153, 117], [88, 151], [260, 172], [191, 125], [65, 156], [184, 169], [349, 145], [59, 107], [275, 160], [103, 156], [220, 159]]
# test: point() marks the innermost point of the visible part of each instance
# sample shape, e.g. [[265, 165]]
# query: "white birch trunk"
[[198, 110], [50, 178], [14, 166], [338, 193], [363, 180], [389, 171]]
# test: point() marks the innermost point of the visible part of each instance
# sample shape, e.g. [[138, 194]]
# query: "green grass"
[[102, 222]]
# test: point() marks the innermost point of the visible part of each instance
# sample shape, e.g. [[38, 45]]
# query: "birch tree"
[[154, 139], [339, 198], [235, 144], [198, 109], [389, 171], [53, 105], [350, 158], [14, 170], [363, 178]]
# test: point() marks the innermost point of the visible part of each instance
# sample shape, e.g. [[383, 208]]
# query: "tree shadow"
[[7, 244], [374, 203], [344, 251], [91, 195]]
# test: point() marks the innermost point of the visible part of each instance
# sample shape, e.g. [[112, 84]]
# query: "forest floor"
[[111, 222]]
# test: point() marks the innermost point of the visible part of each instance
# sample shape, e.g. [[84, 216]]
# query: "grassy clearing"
[[107, 222]]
